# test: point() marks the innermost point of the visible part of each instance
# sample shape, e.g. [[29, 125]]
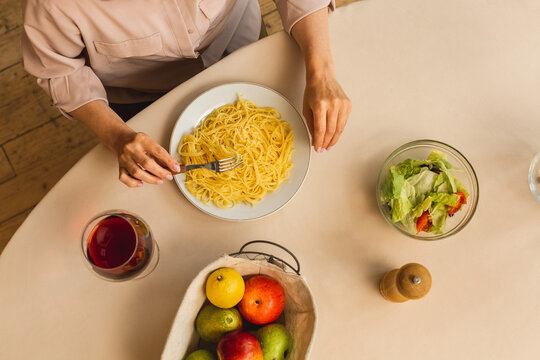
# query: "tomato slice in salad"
[[424, 222], [462, 201]]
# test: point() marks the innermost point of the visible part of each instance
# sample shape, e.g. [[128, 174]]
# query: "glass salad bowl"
[[455, 176]]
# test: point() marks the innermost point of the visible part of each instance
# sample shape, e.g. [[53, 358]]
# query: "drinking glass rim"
[[117, 213]]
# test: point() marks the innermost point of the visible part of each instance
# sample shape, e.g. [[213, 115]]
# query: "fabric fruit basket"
[[299, 314]]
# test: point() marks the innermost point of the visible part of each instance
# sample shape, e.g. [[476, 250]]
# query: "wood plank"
[[49, 143], [8, 228], [19, 119], [267, 6], [6, 171], [23, 104], [17, 86], [40, 158], [10, 48], [10, 15], [273, 23], [45, 102]]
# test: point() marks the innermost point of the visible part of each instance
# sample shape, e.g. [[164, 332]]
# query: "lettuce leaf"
[[423, 183], [445, 199], [422, 207], [411, 167], [402, 205], [435, 200], [446, 181], [409, 223], [438, 219], [450, 181], [393, 185], [440, 184], [438, 157]]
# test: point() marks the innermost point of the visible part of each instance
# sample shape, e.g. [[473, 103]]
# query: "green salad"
[[421, 194]]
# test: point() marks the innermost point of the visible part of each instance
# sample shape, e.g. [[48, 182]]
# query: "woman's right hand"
[[141, 159]]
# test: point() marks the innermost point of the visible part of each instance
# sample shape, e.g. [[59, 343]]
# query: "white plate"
[[203, 105]]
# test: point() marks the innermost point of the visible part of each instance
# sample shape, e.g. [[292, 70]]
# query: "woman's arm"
[[75, 89], [326, 106], [140, 159]]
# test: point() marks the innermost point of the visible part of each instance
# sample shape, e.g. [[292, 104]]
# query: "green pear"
[[201, 355], [213, 322], [276, 342]]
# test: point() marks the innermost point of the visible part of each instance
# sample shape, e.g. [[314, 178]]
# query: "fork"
[[218, 166]]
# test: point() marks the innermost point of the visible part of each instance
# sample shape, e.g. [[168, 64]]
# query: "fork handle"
[[184, 168]]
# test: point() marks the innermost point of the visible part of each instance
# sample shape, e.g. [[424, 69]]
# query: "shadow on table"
[[147, 330]]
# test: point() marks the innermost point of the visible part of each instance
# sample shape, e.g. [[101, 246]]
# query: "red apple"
[[239, 346], [263, 301]]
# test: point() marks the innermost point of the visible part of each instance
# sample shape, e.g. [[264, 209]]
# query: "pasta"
[[258, 135]]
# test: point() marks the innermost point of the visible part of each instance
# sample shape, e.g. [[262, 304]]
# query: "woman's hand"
[[326, 109], [326, 106], [140, 159]]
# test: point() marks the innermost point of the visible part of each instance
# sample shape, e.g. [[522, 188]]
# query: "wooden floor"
[[37, 145]]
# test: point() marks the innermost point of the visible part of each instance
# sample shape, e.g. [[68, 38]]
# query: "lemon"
[[225, 288]]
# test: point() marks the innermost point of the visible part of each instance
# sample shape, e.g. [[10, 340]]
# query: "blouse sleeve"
[[53, 51], [292, 11]]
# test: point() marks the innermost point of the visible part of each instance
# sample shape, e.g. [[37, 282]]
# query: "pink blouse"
[[126, 51]]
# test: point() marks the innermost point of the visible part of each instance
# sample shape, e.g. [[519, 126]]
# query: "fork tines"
[[229, 163]]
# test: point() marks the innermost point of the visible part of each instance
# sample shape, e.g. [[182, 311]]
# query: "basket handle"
[[271, 258]]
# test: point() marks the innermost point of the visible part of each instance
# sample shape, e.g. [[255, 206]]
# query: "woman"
[[95, 56]]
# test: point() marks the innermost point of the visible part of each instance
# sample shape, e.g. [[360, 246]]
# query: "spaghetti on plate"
[[257, 134]]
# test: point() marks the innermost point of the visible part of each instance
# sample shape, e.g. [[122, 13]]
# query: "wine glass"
[[118, 246]]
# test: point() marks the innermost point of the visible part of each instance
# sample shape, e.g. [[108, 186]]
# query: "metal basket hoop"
[[269, 257]]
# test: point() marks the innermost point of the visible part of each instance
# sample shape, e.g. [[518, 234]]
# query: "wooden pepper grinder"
[[411, 281]]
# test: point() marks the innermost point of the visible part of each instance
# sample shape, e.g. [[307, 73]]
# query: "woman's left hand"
[[326, 109], [326, 106]]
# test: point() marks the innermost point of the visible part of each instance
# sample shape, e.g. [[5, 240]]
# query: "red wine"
[[112, 243], [119, 246]]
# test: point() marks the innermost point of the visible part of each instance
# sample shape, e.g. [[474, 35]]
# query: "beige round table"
[[462, 72]]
